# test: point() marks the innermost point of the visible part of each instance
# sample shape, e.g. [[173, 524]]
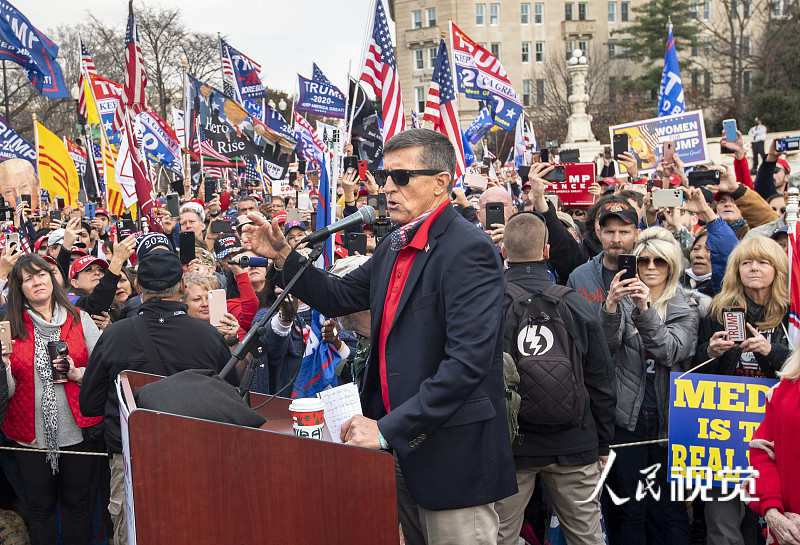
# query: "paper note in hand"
[[341, 404]]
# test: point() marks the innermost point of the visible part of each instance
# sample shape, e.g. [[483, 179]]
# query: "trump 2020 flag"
[[670, 97], [480, 126], [13, 146], [320, 360], [320, 98], [23, 44]]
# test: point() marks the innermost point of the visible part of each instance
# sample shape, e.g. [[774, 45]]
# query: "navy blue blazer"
[[443, 362]]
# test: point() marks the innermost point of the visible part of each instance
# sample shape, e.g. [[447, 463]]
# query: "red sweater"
[[20, 419], [245, 306], [778, 482], [742, 171]]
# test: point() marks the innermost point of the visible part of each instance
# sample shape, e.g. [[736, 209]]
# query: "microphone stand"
[[249, 344]]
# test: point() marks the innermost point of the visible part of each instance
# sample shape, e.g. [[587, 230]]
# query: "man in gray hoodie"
[[618, 228]]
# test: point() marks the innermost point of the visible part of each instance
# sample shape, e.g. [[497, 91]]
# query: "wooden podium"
[[200, 482]]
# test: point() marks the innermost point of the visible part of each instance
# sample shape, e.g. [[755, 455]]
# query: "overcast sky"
[[285, 37]]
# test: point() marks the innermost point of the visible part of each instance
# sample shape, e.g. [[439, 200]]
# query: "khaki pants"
[[116, 503], [469, 526], [564, 485]]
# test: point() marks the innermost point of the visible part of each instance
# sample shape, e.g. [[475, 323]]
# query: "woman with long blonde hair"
[[651, 323], [756, 279]]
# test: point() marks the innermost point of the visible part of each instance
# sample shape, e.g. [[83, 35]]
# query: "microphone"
[[247, 261], [365, 215]]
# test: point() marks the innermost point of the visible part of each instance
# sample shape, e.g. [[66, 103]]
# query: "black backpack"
[[549, 357]]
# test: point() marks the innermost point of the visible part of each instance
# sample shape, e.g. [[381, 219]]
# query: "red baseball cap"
[[281, 216], [39, 242], [102, 212], [782, 162], [674, 179], [86, 261]]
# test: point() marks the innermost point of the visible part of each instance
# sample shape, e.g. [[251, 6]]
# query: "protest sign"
[[645, 139], [574, 190], [711, 421]]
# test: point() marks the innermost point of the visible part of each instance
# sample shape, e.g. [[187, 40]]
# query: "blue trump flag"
[[24, 44], [670, 97], [319, 98], [324, 209], [320, 360], [469, 157], [480, 126], [245, 72], [13, 146]]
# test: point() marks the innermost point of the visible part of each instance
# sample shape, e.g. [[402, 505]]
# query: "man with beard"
[[617, 230]]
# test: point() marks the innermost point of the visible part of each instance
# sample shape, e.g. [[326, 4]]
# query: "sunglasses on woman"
[[644, 261], [400, 176]]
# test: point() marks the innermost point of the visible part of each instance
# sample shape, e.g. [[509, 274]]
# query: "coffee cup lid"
[[306, 404]]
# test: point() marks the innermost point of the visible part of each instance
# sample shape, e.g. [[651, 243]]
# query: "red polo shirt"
[[402, 266]]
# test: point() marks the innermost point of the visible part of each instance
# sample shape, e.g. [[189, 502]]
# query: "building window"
[[541, 96], [747, 83], [432, 56], [538, 13], [612, 12], [527, 92], [777, 9], [707, 10], [707, 84], [695, 49], [416, 19], [583, 8], [612, 49], [494, 14], [483, 44], [525, 14], [568, 12], [624, 12], [539, 51], [746, 8], [612, 89], [746, 46], [583, 45], [418, 61], [480, 14], [431, 16], [569, 45], [419, 93], [707, 47], [495, 49], [693, 9], [695, 79], [526, 52]]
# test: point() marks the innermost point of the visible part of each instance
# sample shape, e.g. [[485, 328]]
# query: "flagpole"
[[5, 95], [221, 61], [187, 173], [368, 29], [35, 134]]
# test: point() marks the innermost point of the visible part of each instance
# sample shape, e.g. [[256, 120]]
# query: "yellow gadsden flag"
[[57, 172]]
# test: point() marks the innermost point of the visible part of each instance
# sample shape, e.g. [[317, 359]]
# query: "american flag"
[[414, 120], [441, 109], [86, 65], [649, 135], [317, 75], [251, 169], [203, 146], [228, 76], [380, 72], [490, 155], [132, 99]]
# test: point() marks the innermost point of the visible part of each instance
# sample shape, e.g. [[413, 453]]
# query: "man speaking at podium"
[[433, 388]]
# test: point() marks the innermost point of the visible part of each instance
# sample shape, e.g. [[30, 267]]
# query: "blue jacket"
[[721, 241], [444, 370]]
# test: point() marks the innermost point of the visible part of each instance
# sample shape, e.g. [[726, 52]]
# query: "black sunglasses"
[[644, 261], [400, 176]]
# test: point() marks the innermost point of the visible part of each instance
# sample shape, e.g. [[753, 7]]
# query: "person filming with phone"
[[754, 295], [52, 344], [650, 321]]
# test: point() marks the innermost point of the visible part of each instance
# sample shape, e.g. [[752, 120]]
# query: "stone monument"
[[579, 123]]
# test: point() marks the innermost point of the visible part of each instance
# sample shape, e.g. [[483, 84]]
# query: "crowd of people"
[[422, 323]]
